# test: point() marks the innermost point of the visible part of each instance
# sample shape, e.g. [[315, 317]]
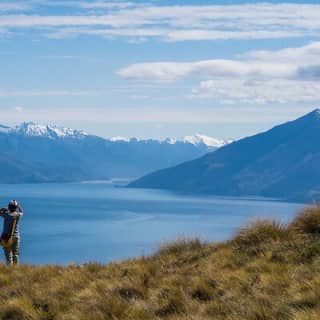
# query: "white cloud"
[[197, 35], [101, 4], [287, 63], [218, 68], [11, 6], [307, 53], [171, 35], [258, 77], [25, 5], [233, 91], [175, 22], [45, 93], [134, 34]]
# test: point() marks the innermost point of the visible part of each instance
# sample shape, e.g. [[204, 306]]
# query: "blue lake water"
[[77, 223]]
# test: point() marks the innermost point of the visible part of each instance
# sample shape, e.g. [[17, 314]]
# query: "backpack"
[[6, 239]]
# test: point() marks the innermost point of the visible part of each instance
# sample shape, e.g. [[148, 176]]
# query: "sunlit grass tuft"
[[307, 222], [267, 271]]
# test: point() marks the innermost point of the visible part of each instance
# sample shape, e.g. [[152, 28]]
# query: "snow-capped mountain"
[[32, 152], [32, 129], [195, 140], [200, 139], [120, 139]]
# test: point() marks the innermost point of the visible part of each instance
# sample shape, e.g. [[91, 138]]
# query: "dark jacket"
[[9, 218]]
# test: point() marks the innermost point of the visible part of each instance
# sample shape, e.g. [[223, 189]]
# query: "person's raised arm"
[[19, 211]]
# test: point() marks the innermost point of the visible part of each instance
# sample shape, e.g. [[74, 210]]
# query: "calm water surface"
[[76, 223]]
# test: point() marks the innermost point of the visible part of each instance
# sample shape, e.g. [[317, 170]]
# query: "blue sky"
[[159, 68]]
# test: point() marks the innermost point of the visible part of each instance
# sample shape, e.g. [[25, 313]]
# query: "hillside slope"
[[282, 162], [268, 271]]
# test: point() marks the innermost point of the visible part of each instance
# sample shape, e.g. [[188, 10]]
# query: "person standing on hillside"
[[10, 237]]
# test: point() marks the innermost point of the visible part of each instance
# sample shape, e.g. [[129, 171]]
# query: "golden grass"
[[268, 271]]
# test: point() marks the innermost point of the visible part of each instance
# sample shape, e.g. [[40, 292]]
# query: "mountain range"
[[280, 163], [46, 153]]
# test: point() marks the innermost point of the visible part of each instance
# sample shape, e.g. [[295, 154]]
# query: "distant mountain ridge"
[[32, 129], [33, 152], [282, 163], [53, 131]]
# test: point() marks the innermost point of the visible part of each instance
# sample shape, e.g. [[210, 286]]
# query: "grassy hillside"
[[268, 271]]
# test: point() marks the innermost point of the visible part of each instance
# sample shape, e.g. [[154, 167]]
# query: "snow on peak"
[[32, 129], [200, 139], [119, 138]]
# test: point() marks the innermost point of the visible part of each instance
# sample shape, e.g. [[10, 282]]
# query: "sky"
[[155, 69]]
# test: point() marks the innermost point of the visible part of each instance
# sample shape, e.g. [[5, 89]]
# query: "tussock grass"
[[307, 222], [267, 271], [180, 246], [262, 231], [257, 236]]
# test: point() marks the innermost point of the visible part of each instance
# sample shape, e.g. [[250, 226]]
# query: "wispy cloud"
[[258, 77], [12, 6], [163, 71], [89, 4], [99, 4], [286, 63], [46, 93], [259, 92], [175, 22]]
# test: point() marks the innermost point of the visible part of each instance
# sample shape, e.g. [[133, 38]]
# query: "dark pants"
[[12, 253]]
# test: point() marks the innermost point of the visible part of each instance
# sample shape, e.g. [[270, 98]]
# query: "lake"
[[86, 222]]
